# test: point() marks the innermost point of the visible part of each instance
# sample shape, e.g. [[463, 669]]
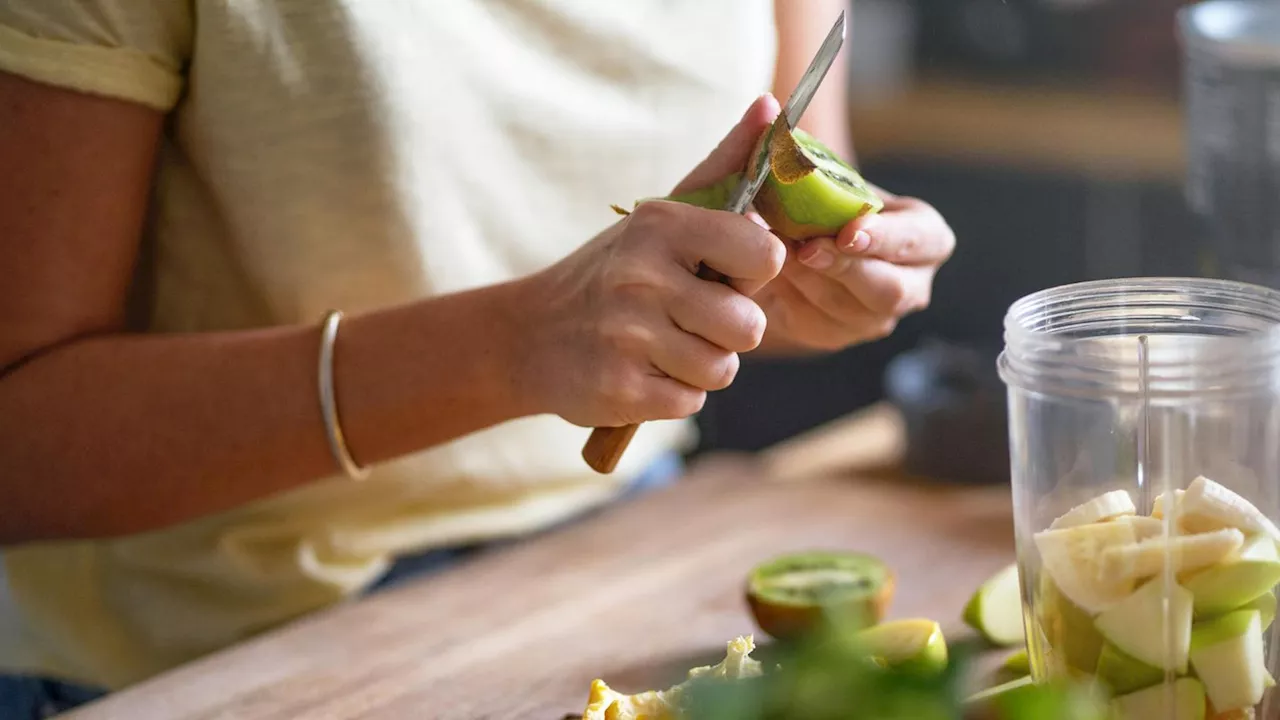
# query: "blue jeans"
[[25, 697]]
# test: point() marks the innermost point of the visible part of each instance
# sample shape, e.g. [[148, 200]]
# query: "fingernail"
[[818, 260], [859, 242]]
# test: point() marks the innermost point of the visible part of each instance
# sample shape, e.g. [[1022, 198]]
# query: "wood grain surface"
[[635, 595]]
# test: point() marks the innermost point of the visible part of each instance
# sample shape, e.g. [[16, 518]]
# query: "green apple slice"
[[1135, 625], [1228, 585], [1265, 604], [995, 610], [1068, 629], [1018, 663], [1125, 674], [1227, 656], [1153, 703], [913, 645]]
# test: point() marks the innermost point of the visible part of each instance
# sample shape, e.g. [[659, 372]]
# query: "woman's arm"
[[103, 433], [106, 433], [802, 26]]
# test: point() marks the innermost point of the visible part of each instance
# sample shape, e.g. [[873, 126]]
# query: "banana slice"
[[1146, 558], [1157, 506], [1208, 505], [1144, 527], [1072, 557], [1107, 506]]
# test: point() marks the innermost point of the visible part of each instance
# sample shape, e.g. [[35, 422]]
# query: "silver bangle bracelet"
[[329, 404]]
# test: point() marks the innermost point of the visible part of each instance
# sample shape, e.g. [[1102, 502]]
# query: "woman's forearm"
[[121, 434]]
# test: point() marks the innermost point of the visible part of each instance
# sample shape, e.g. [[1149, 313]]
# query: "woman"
[[191, 187]]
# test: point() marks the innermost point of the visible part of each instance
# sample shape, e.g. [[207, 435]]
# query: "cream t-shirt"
[[357, 154]]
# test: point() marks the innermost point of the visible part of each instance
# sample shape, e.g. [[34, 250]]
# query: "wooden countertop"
[[635, 595], [1104, 134]]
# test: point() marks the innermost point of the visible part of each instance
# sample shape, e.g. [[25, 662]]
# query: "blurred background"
[[1050, 133]]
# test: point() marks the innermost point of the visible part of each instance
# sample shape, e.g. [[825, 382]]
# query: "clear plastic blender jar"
[[1145, 455]]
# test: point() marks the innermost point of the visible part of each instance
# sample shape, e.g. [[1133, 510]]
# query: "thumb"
[[733, 152]]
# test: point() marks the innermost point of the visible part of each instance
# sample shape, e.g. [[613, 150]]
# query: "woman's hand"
[[836, 292], [623, 331]]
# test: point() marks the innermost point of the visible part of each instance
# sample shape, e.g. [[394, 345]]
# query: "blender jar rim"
[[1207, 336]]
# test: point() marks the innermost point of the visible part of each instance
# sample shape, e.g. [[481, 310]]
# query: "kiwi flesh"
[[792, 594], [809, 191]]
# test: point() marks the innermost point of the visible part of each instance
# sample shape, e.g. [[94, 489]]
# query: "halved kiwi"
[[792, 594]]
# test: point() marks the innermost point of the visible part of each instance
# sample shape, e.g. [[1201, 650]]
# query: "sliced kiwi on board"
[[791, 594]]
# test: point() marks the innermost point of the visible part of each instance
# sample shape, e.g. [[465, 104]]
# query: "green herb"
[[827, 676]]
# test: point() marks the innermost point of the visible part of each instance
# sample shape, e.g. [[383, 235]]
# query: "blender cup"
[[1144, 429]]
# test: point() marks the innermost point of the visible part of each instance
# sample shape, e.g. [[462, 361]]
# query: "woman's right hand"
[[623, 331]]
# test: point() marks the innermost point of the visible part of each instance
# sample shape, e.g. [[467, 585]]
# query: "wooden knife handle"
[[605, 447]]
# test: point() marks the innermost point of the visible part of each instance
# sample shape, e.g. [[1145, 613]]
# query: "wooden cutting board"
[[635, 595]]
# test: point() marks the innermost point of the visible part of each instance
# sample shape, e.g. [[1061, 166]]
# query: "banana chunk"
[[1072, 558], [1208, 505], [1107, 506], [1146, 558]]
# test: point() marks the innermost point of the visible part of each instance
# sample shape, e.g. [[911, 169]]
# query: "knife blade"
[[605, 446], [749, 186]]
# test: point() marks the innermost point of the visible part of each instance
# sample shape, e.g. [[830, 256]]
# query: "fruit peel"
[[1227, 655], [995, 609], [914, 645], [789, 611], [1125, 674], [1135, 625], [809, 191]]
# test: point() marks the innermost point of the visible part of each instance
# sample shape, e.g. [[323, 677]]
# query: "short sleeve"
[[135, 50]]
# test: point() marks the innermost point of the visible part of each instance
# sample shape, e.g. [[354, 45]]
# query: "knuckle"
[[677, 403], [626, 338], [883, 328], [896, 296], [725, 372], [634, 281], [926, 297], [775, 255], [689, 402], [748, 325], [621, 386], [655, 213]]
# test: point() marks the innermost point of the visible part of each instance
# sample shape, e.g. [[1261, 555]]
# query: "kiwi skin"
[[787, 621], [795, 185]]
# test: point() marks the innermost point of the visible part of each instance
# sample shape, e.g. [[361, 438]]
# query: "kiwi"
[[792, 594], [809, 191]]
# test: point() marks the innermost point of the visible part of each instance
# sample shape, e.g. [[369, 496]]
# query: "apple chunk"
[[1136, 625], [1227, 656], [1123, 673], [1153, 702], [1236, 582], [995, 610]]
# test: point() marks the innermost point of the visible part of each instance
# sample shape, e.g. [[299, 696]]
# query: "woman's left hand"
[[854, 288]]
